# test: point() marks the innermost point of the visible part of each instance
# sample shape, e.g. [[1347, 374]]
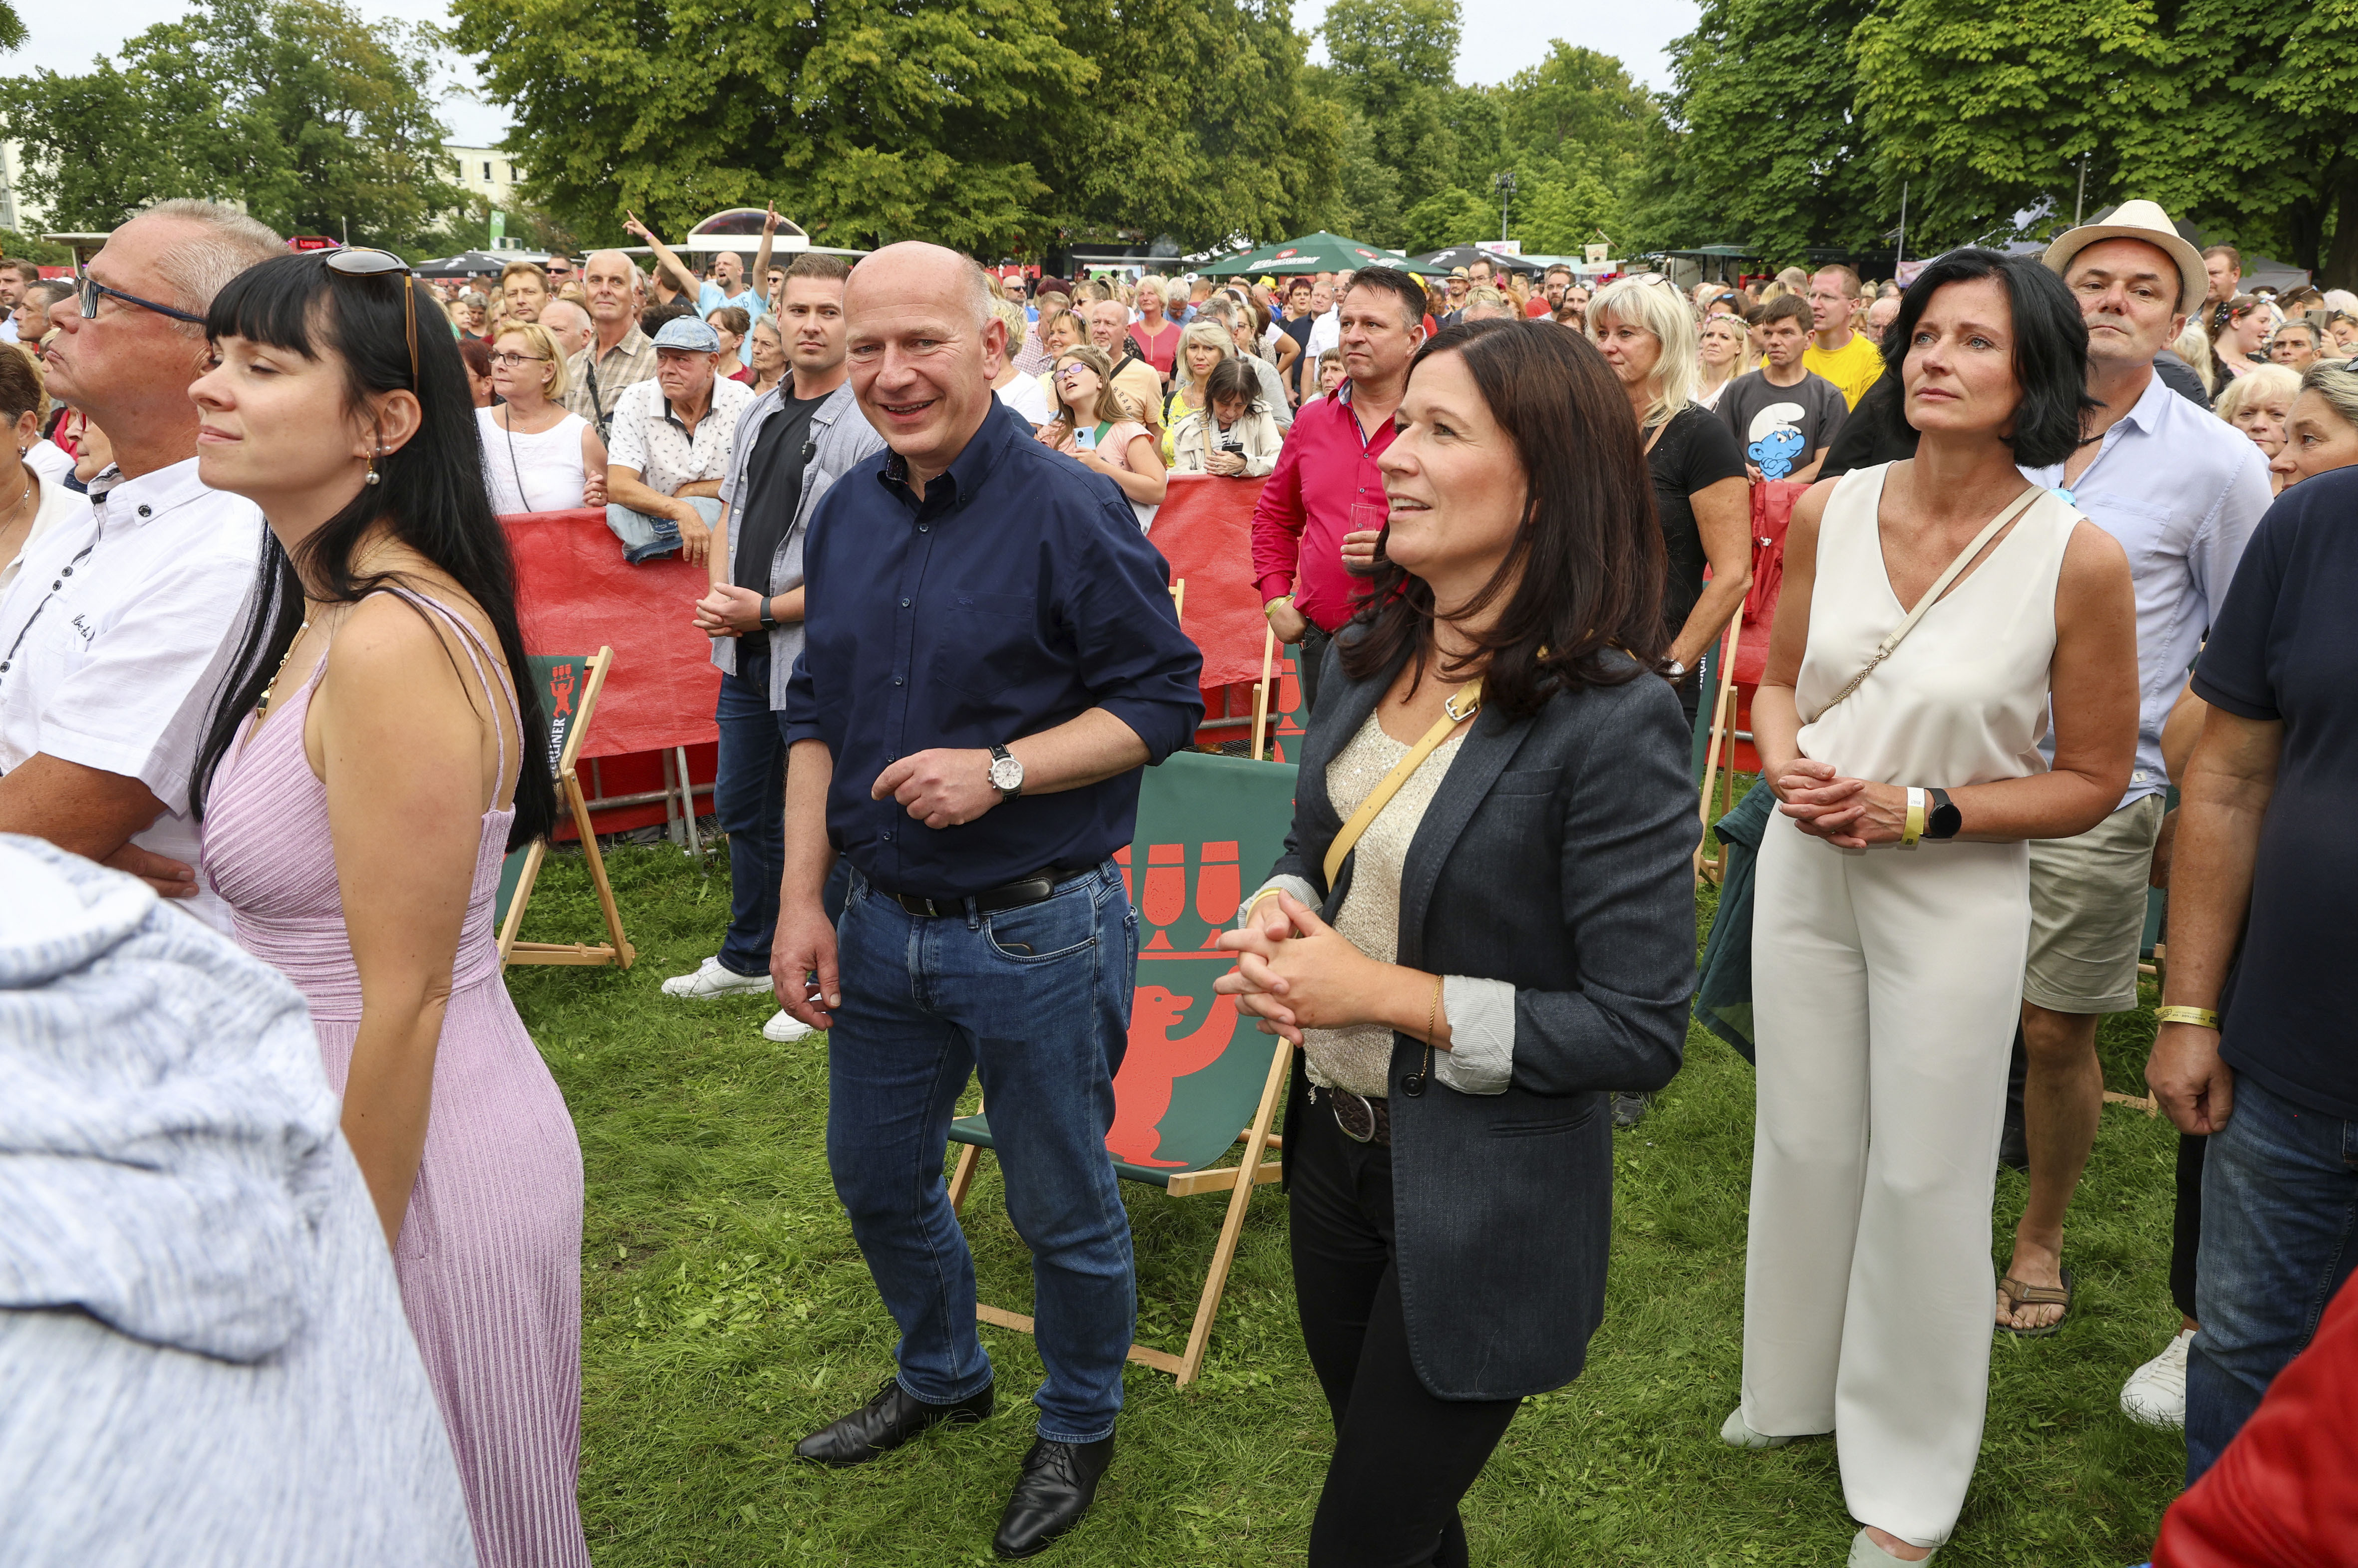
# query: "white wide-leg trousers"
[[1887, 986]]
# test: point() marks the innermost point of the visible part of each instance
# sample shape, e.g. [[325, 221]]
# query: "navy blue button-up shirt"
[[1019, 594]]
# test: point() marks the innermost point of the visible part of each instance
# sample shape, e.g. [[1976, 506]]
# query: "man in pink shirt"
[[1324, 504]]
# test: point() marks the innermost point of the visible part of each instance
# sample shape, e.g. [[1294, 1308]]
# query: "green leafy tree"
[[869, 121], [1450, 216], [1216, 136], [1760, 143], [314, 118], [1392, 64]]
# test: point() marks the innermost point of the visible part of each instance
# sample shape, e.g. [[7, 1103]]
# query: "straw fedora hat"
[[2138, 221]]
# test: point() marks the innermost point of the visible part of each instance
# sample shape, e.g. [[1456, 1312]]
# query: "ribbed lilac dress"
[[489, 1255]]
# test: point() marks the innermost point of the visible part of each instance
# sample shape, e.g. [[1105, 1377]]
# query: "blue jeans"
[[749, 795], [1036, 1002], [642, 536], [2279, 1220]]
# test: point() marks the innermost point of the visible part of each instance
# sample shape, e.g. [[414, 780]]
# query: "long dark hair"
[[1589, 552], [2050, 348], [430, 496]]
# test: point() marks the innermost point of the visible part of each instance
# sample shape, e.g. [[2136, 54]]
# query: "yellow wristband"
[[1913, 828], [2201, 1017], [1271, 608]]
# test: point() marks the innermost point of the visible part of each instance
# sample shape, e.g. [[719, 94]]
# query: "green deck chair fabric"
[[1209, 829], [561, 677]]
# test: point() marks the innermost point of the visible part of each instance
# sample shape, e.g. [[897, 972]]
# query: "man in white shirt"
[[116, 635], [2181, 491], [16, 276], [669, 451]]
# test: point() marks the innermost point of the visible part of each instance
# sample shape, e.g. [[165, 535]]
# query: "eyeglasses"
[[88, 295], [510, 360], [364, 263]]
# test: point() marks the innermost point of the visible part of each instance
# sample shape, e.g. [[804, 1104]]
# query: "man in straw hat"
[[2181, 491]]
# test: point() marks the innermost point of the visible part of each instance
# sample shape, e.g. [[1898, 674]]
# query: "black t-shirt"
[[1875, 433], [1818, 419], [772, 490], [1298, 329], [2281, 651], [1694, 452]]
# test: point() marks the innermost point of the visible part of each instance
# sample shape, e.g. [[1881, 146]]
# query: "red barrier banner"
[[575, 593], [1205, 531]]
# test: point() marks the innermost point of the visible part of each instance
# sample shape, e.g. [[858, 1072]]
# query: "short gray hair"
[[199, 268]]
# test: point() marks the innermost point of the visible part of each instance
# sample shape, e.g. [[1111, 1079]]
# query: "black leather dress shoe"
[[1059, 1482], [883, 1423]]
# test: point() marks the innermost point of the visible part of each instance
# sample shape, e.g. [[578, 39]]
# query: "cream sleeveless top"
[[1962, 700]]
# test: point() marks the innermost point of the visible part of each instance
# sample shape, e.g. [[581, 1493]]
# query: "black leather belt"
[[990, 900]]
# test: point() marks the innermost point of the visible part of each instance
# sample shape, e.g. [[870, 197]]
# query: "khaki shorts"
[[2087, 912]]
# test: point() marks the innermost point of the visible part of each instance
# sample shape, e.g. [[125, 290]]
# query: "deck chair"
[[1196, 1071], [570, 684]]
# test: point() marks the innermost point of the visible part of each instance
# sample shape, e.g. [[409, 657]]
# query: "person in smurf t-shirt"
[[1781, 395]]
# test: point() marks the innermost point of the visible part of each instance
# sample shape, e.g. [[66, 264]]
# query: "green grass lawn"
[[726, 1313]]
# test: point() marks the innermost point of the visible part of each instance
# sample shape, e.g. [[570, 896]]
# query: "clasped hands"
[[1295, 972], [1850, 814]]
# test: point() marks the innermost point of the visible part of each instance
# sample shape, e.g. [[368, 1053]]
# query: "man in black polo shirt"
[[2255, 1045], [790, 446], [989, 657]]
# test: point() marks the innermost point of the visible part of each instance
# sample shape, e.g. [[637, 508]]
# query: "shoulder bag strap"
[[1932, 595], [1455, 711]]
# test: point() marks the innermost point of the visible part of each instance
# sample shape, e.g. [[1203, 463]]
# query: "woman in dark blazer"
[[1511, 936]]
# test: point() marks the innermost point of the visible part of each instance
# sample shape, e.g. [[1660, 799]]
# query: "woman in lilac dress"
[[372, 758]]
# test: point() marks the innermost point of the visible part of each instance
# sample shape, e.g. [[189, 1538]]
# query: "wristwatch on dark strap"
[[1006, 773], [1945, 820], [769, 622]]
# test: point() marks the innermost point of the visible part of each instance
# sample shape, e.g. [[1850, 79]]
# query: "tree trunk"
[[2341, 268]]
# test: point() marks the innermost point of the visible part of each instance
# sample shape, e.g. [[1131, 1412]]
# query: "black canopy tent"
[[1454, 256]]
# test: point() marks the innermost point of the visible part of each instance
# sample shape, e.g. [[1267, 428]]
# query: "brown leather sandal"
[[2019, 1295]]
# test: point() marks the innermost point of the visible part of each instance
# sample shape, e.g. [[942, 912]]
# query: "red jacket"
[[1327, 467], [2286, 1491]]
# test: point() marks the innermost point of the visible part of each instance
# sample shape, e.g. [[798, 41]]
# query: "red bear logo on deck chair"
[[1141, 1092]]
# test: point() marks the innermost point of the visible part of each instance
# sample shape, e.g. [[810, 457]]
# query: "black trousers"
[[1402, 1458], [1308, 655], [2186, 1223]]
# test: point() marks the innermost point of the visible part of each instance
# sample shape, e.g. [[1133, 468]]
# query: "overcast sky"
[[1499, 39]]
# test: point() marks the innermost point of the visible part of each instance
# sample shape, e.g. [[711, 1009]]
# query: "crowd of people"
[[260, 652]]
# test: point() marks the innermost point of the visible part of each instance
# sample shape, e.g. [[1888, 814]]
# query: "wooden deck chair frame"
[[1258, 1139], [1723, 734], [619, 951]]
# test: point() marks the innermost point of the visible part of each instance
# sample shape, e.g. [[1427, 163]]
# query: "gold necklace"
[[262, 706]]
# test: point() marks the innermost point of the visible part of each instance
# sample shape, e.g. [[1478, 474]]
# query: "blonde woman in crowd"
[[2260, 405], [2323, 434], [1722, 340], [1102, 429], [1059, 331], [538, 456], [1204, 344]]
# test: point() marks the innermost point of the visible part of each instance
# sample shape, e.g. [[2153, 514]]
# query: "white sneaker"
[[1866, 1553], [711, 980], [2155, 1394], [785, 1028]]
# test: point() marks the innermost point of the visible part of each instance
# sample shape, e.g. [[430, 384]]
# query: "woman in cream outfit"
[[1893, 907]]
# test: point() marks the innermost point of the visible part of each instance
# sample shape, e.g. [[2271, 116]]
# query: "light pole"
[[1504, 184]]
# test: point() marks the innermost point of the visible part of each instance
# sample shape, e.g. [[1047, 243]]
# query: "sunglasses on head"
[[364, 263]]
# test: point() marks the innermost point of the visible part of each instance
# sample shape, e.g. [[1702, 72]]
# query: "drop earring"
[[372, 476]]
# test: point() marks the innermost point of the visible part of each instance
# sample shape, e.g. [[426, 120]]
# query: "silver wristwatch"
[[1006, 773]]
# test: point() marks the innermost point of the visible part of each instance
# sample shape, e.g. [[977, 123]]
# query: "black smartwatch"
[[769, 622], [1945, 820]]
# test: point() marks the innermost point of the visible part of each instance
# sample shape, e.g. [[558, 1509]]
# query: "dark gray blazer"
[[1557, 856]]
